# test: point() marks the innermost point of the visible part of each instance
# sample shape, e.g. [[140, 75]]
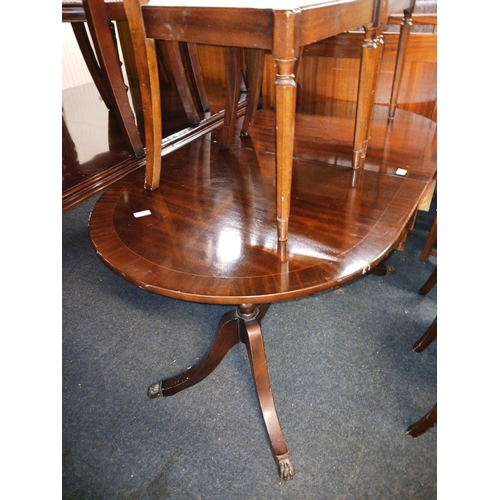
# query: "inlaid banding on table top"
[[210, 235]]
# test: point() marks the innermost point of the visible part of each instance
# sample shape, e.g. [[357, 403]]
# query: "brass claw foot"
[[154, 391], [286, 468]]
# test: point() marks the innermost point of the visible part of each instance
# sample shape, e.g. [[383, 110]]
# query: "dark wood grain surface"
[[211, 233]]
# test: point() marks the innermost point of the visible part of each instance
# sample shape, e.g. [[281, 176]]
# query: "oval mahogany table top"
[[208, 233]]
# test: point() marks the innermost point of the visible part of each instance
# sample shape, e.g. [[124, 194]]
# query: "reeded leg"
[[251, 334], [226, 337], [286, 94], [371, 56], [425, 423]]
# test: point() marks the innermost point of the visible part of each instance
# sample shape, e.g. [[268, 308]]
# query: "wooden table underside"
[[210, 236]]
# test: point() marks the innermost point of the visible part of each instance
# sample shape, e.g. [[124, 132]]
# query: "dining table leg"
[[251, 336], [240, 325]]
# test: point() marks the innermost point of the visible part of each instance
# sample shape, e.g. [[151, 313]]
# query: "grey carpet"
[[345, 381]]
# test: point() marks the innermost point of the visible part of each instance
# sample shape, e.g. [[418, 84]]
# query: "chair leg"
[[147, 68], [427, 250], [196, 76], [425, 423], [172, 52], [429, 419], [234, 65], [371, 55], [400, 58], [255, 71], [427, 337], [431, 281]]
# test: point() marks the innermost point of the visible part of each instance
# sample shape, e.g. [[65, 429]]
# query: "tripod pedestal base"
[[241, 325]]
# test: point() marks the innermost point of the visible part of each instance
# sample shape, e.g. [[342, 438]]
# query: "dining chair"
[[371, 56], [406, 22], [101, 55], [146, 58], [430, 418]]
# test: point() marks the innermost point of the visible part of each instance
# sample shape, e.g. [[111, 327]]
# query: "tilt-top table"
[[208, 234]]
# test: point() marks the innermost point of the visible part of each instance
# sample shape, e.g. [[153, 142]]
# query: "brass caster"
[[154, 391]]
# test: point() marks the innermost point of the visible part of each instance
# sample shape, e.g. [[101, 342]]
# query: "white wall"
[[74, 70]]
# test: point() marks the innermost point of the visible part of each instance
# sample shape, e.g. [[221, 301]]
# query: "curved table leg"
[[251, 334], [226, 337], [242, 325]]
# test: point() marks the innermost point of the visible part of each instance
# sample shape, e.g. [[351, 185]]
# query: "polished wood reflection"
[[95, 152]]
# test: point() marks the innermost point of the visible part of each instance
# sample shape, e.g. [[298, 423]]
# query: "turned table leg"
[[285, 54], [241, 325], [286, 94]]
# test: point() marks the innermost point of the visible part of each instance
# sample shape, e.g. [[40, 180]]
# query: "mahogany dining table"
[[207, 233]]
